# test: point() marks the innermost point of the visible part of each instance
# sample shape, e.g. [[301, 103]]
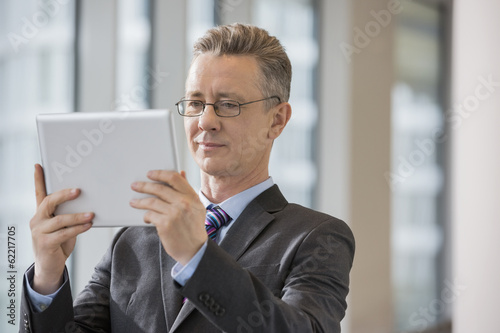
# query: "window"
[[36, 76], [293, 165], [133, 68], [418, 227]]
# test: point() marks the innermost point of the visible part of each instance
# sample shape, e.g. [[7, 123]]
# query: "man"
[[272, 267]]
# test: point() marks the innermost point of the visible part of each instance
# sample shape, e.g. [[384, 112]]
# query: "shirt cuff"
[[38, 301], [181, 274]]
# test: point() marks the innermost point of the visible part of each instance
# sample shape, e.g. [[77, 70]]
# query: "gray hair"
[[242, 39]]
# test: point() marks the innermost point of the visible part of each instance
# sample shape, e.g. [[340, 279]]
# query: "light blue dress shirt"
[[233, 206]]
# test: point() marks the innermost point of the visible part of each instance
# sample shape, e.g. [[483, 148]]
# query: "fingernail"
[[150, 173], [87, 215], [74, 191], [133, 201]]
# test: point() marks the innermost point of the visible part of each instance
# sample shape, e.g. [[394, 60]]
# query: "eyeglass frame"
[[216, 110]]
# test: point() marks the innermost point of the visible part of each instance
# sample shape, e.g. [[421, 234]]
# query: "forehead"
[[225, 74]]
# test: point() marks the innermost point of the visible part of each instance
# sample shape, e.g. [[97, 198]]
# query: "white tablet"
[[102, 153]]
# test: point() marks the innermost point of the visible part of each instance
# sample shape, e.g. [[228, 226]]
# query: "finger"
[[62, 235], [162, 191], [50, 202], [152, 204], [151, 217], [40, 190], [183, 174], [172, 178], [156, 219], [66, 221]]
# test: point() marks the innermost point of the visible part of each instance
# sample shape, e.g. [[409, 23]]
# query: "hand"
[[53, 237], [175, 210]]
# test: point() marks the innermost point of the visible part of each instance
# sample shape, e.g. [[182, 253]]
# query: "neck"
[[219, 188]]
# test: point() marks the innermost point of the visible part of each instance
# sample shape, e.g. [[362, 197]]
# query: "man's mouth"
[[209, 146]]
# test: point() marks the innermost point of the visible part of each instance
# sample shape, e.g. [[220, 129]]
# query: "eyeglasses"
[[223, 108]]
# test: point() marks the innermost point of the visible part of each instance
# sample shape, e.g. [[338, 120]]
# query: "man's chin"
[[227, 169]]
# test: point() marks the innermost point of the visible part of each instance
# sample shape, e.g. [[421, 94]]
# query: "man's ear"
[[281, 116]]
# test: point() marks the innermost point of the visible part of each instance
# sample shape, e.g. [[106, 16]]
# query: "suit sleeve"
[[53, 319], [312, 297], [90, 314]]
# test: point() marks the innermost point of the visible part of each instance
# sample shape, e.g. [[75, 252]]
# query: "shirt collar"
[[235, 205]]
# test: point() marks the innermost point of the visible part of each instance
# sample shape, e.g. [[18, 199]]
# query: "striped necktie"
[[215, 219]]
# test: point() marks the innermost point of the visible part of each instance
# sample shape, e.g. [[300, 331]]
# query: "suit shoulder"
[[137, 239], [273, 201], [135, 234], [294, 213]]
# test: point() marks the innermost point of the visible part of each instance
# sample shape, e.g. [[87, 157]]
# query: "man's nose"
[[209, 120]]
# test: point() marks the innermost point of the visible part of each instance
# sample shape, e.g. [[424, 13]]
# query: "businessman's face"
[[237, 146]]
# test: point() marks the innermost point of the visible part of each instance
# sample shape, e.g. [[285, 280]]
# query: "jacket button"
[[209, 302], [214, 307], [204, 297], [220, 312]]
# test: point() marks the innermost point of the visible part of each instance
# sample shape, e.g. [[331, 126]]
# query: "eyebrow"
[[194, 94], [228, 95]]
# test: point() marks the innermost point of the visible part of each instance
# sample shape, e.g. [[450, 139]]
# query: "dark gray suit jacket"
[[280, 268]]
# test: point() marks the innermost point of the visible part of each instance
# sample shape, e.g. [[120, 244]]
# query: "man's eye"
[[195, 104], [228, 105]]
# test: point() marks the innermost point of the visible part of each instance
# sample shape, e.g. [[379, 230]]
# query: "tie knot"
[[216, 218]]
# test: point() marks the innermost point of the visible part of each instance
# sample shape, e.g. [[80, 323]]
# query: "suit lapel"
[[186, 309], [172, 299], [248, 226], [252, 221]]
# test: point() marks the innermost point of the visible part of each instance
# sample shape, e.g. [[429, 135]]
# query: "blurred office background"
[[394, 129]]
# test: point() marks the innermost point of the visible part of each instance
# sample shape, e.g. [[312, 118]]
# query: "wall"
[[475, 122], [354, 149], [372, 80]]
